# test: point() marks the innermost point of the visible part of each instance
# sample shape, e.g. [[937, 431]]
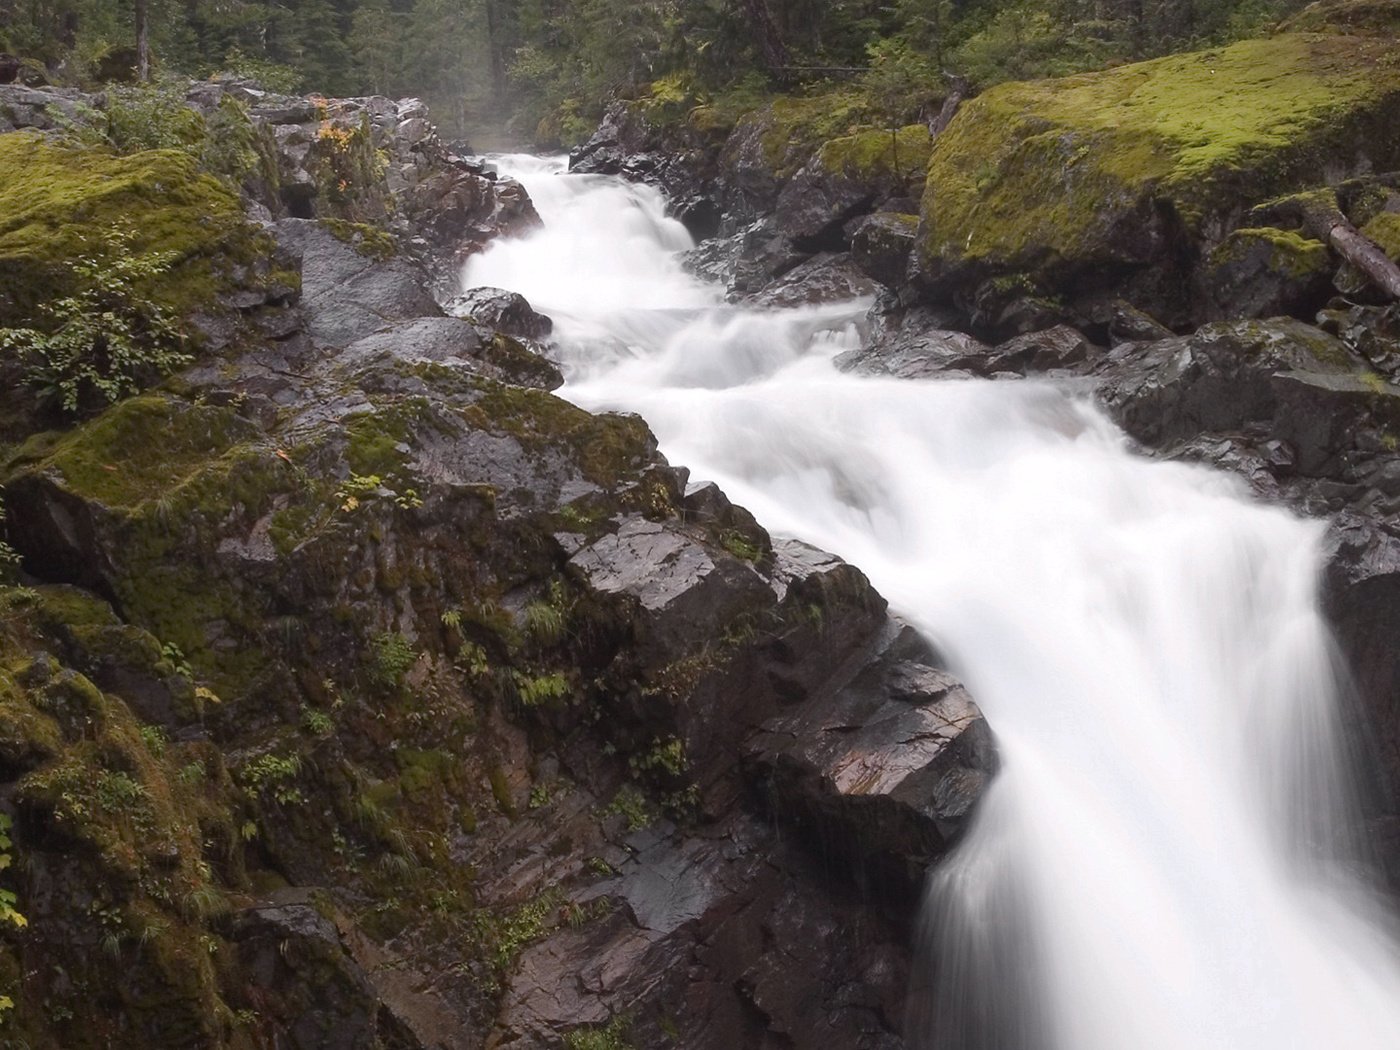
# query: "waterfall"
[[1165, 860]]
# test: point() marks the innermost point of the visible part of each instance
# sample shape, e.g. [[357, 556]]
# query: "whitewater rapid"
[[1165, 860]]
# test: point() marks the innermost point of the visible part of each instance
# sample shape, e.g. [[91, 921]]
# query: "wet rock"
[[826, 278], [303, 984], [347, 295], [452, 340], [1264, 273], [1292, 381], [912, 351], [882, 246], [882, 771], [508, 312]]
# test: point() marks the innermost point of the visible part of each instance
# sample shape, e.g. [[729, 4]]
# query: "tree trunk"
[[143, 41], [1321, 217], [770, 41], [496, 45]]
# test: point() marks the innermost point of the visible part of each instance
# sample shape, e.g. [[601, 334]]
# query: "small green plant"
[[117, 791], [155, 740], [452, 619], [357, 488], [192, 773], [107, 339], [471, 659], [535, 690], [632, 806], [739, 545], [173, 655], [317, 723], [391, 655], [608, 1037], [9, 916], [275, 775], [667, 756], [539, 796]]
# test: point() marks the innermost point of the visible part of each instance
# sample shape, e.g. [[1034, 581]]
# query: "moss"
[[902, 154], [1384, 229], [1062, 174], [791, 128], [1289, 253], [139, 450], [370, 241], [607, 448], [57, 203]]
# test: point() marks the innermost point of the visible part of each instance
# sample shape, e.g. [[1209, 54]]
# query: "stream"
[[1167, 859]]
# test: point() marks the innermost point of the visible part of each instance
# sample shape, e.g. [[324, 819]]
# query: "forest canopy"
[[546, 68]]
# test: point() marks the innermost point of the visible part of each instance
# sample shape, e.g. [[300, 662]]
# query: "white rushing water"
[[1164, 860]]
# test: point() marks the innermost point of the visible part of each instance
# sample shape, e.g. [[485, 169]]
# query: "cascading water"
[[1164, 860]]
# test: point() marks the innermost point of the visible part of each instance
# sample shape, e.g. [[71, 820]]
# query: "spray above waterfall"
[[1163, 862]]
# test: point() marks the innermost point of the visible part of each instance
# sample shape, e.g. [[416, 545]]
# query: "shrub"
[[107, 339]]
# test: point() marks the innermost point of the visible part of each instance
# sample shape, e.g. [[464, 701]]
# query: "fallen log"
[[1320, 216]]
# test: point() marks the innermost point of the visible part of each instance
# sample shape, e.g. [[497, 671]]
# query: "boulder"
[[1288, 380], [1083, 181], [1263, 272], [882, 245], [508, 312]]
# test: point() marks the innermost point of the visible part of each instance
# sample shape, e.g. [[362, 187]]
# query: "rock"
[[1266, 272], [304, 984], [882, 245], [508, 312], [912, 349], [882, 771], [345, 294], [453, 341], [1362, 598], [825, 278], [1293, 382], [1079, 183], [845, 178], [1054, 349]]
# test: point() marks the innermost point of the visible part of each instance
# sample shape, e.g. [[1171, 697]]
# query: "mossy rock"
[[1072, 180], [1262, 272], [1384, 229], [900, 154], [58, 203]]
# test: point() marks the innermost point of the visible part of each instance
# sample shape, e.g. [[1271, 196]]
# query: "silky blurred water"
[[1166, 859]]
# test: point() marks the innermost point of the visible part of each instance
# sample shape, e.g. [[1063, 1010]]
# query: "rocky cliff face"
[[357, 691]]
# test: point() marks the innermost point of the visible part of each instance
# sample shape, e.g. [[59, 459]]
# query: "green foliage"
[[274, 775], [108, 338], [9, 915], [391, 656], [152, 116], [632, 806], [317, 723], [608, 1037], [535, 690]]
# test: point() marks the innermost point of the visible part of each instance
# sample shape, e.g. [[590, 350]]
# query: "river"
[[1166, 860]]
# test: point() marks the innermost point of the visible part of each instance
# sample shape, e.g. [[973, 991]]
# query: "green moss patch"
[[1384, 229], [59, 203], [1055, 177], [868, 155]]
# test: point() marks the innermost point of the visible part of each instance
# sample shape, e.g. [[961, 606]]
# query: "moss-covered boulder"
[[1075, 181], [60, 203]]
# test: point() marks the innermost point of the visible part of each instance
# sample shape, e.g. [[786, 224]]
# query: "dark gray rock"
[[346, 295], [881, 771], [882, 247], [450, 340], [508, 312]]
